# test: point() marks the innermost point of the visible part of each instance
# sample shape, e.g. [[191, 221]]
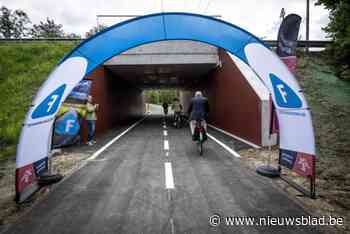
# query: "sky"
[[260, 17]]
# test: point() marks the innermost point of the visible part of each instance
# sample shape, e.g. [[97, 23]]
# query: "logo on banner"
[[284, 95], [40, 166], [304, 164], [287, 158], [25, 176], [50, 104], [68, 124]]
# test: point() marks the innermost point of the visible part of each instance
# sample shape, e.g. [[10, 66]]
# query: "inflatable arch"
[[296, 131]]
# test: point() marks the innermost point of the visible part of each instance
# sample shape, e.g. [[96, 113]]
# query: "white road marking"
[[169, 179], [235, 137], [167, 154], [172, 226], [231, 151], [165, 132], [164, 126], [166, 145], [103, 148]]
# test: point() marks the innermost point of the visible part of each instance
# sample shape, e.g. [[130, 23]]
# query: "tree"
[[47, 29], [13, 24], [339, 30], [95, 30]]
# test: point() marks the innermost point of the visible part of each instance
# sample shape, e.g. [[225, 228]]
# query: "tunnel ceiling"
[[176, 63], [162, 76]]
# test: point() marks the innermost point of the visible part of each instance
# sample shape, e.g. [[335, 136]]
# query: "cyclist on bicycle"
[[177, 107], [165, 108], [198, 111]]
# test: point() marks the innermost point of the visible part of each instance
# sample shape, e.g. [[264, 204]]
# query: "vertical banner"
[[287, 40], [296, 134]]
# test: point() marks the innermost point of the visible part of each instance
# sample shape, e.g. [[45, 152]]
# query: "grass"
[[329, 99], [23, 68]]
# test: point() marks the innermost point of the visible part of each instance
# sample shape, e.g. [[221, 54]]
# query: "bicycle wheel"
[[178, 122], [200, 144], [200, 148]]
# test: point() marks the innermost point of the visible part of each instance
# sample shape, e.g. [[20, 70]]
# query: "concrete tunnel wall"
[[119, 103]]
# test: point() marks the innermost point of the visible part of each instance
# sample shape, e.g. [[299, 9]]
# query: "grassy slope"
[[329, 99], [23, 68]]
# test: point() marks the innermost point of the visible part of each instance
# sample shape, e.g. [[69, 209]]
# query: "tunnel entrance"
[[239, 102]]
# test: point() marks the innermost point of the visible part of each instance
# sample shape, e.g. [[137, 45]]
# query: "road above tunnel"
[[152, 180]]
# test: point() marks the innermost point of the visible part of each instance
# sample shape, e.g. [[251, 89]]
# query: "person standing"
[[91, 118]]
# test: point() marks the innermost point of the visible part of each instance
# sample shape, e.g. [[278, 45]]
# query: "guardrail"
[[272, 43]]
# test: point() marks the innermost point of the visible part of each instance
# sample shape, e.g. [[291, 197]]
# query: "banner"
[[69, 117], [67, 129], [80, 92], [296, 134], [287, 40]]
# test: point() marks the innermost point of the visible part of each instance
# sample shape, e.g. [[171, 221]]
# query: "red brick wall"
[[235, 107], [119, 103]]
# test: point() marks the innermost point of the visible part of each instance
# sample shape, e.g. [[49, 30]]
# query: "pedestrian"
[[91, 118]]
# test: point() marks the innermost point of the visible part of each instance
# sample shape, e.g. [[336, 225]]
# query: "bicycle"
[[200, 136], [177, 120]]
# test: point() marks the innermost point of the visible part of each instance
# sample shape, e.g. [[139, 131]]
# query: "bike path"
[[126, 190]]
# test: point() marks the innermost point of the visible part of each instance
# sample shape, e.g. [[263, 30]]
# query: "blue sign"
[[284, 95], [40, 166], [50, 104], [287, 158]]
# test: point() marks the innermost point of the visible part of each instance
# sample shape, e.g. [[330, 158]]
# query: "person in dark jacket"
[[198, 111], [165, 108]]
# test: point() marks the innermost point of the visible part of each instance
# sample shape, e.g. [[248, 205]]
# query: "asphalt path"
[[152, 180]]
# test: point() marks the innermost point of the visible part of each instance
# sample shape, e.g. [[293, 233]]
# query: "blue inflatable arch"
[[292, 110]]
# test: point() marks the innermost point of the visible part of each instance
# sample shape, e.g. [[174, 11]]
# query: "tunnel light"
[[164, 70]]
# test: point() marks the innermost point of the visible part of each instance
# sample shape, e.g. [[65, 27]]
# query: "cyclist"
[[177, 108], [198, 111], [165, 108]]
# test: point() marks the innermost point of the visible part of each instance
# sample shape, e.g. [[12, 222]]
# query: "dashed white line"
[[166, 145], [165, 132], [169, 179], [172, 226], [231, 151], [167, 154]]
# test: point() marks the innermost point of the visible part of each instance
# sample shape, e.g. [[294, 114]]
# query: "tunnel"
[[239, 102]]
